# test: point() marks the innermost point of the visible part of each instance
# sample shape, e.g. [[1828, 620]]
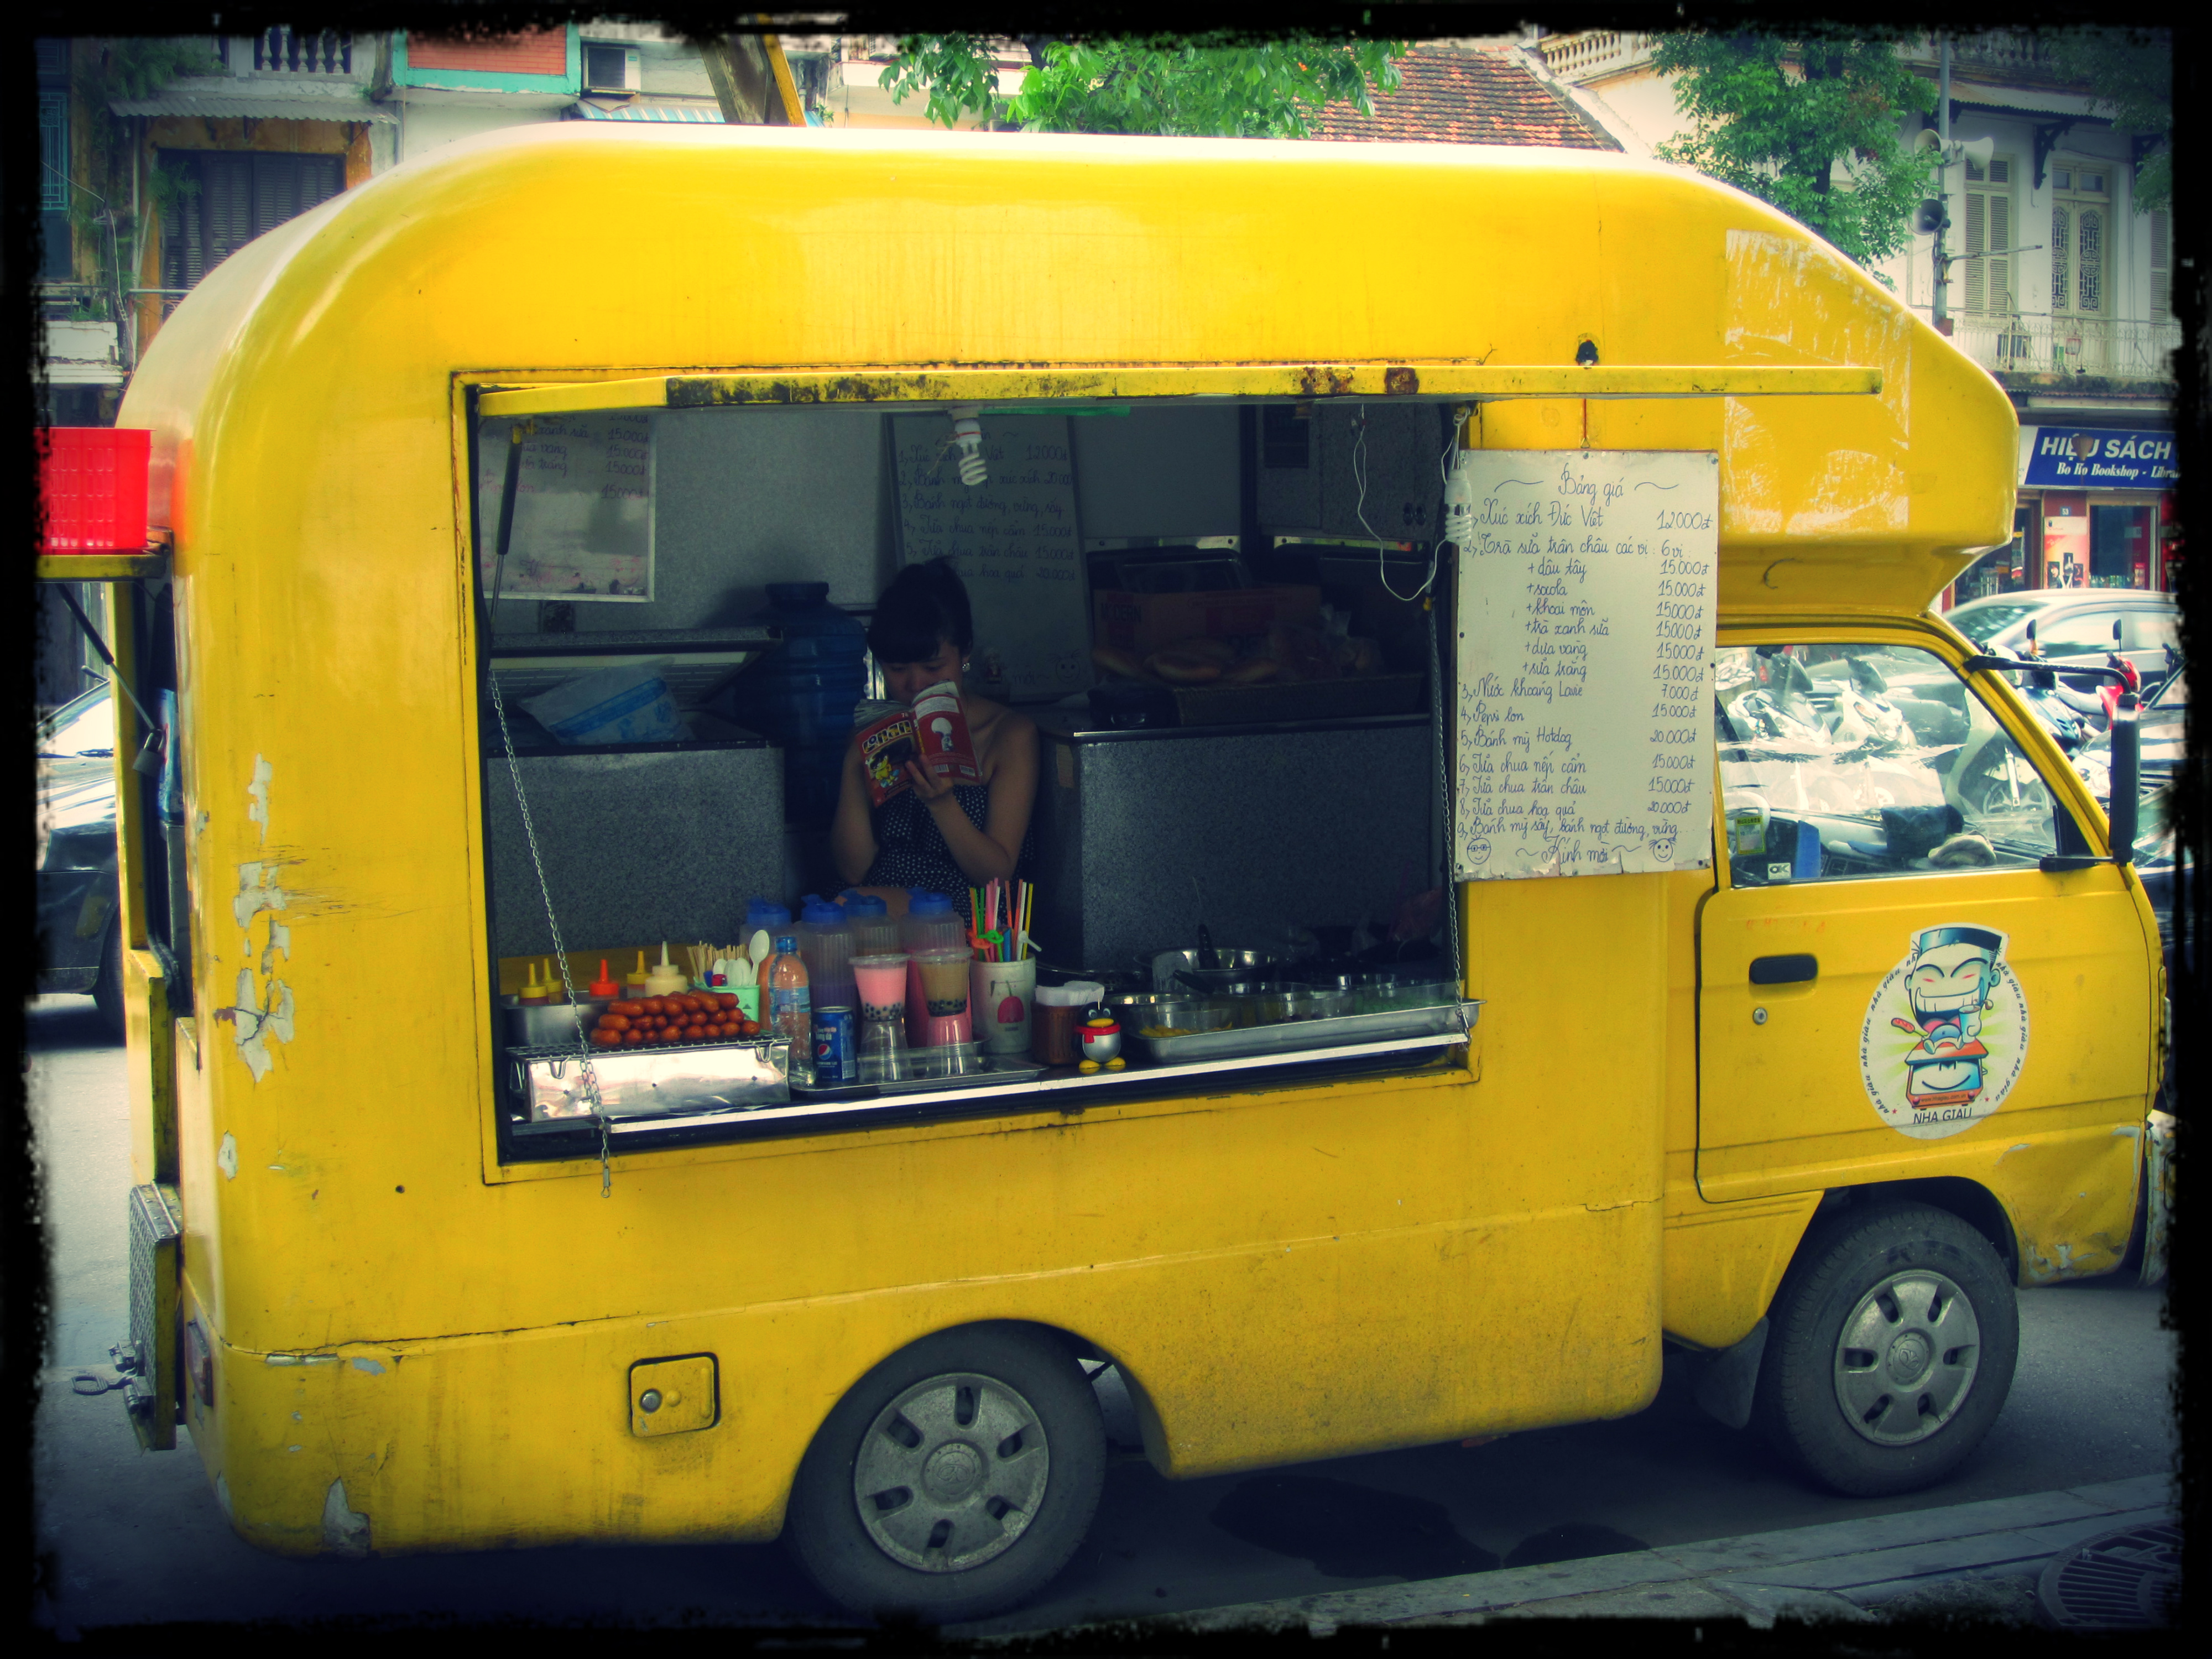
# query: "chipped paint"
[[259, 791], [259, 889], [369, 1365], [226, 1158], [223, 1497], [345, 1530], [300, 1359]]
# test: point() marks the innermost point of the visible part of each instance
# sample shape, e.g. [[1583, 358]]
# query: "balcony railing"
[[2045, 345], [292, 52], [1593, 51]]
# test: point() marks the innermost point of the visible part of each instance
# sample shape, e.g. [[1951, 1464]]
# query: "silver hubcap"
[[952, 1473], [1906, 1359]]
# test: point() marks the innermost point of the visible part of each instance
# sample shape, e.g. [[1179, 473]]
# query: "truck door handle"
[[1783, 970]]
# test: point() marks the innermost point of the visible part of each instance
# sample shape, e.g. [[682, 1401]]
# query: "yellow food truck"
[[1794, 1021]]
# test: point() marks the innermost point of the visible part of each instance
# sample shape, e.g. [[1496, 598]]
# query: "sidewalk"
[[1980, 1559]]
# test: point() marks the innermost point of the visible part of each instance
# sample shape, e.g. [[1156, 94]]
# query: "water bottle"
[[801, 695], [875, 930], [825, 944]]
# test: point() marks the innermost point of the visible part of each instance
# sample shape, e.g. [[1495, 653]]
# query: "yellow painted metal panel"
[[151, 1069], [1302, 382], [101, 566]]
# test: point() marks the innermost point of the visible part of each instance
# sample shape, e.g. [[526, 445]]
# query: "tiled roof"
[[1466, 95]]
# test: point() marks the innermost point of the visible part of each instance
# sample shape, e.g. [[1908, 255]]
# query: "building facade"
[[2057, 282]]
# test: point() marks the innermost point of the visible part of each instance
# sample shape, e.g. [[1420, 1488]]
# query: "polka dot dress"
[[910, 849]]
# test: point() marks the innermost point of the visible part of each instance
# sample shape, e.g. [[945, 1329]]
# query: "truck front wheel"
[[1893, 1346], [954, 1481]]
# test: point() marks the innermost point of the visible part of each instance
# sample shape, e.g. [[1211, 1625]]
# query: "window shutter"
[[226, 204], [184, 247], [1976, 297], [1988, 231], [2001, 266], [2161, 267]]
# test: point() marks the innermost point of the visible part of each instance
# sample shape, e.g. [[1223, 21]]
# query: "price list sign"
[[1585, 717]]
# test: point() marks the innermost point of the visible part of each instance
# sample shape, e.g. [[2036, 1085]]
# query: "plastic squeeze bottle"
[[666, 980], [634, 983], [604, 989], [535, 992], [790, 1009]]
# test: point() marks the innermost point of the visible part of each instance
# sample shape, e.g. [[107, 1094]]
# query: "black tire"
[[107, 988], [1032, 1432], [1937, 1334]]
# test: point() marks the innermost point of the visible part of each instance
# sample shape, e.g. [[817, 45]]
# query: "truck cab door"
[[1886, 973]]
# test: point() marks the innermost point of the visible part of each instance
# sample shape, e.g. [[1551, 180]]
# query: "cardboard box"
[[1145, 622]]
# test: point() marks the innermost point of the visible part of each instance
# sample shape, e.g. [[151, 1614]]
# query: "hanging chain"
[[590, 1077]]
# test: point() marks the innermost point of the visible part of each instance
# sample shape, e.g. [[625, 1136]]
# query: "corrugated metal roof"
[[291, 103], [584, 109], [1458, 96]]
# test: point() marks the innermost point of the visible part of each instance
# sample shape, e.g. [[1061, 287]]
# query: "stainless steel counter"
[[1322, 822]]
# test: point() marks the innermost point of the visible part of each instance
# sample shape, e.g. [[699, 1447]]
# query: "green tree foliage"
[[1809, 122], [1215, 87], [2130, 77]]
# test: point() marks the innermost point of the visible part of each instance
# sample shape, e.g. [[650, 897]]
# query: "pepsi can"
[[837, 1054]]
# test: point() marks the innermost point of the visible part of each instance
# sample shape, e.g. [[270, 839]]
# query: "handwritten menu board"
[[583, 507], [1013, 539], [1587, 585]]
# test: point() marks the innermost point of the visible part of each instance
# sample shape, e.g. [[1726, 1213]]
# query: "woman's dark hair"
[[925, 603]]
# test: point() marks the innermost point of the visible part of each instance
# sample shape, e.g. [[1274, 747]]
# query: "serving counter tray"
[[998, 1072], [651, 1083], [1299, 1036]]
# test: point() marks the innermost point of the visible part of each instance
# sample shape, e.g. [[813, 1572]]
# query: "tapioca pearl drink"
[[882, 985], [944, 982]]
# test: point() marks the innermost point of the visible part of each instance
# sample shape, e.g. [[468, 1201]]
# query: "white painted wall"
[[425, 126]]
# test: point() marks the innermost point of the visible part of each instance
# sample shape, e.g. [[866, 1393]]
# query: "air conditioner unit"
[[610, 68]]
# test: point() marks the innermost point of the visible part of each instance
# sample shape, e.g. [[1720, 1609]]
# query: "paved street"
[[135, 1538]]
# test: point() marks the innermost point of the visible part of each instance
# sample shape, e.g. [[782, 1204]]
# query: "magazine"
[[934, 732]]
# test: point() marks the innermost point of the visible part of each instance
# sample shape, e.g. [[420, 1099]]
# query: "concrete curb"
[[1959, 1558]]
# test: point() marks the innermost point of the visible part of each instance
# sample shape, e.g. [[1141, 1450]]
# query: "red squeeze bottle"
[[605, 986]]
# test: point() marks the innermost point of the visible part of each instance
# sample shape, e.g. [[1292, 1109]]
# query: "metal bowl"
[[1234, 965], [1140, 1013]]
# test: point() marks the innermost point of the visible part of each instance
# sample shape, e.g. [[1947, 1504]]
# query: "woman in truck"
[[935, 835]]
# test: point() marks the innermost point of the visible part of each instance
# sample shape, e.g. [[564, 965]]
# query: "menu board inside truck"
[[1588, 583]]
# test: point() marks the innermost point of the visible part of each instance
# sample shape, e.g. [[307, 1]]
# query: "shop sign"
[[2096, 458]]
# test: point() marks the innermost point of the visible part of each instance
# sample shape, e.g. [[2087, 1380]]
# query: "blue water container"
[[801, 694]]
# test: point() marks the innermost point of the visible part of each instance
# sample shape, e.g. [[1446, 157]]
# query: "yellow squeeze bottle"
[[634, 984]]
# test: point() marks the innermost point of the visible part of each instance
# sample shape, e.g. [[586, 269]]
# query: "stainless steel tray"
[[998, 1072], [1295, 1035], [706, 1077]]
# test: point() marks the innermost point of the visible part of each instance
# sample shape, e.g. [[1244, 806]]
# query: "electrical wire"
[[1360, 508]]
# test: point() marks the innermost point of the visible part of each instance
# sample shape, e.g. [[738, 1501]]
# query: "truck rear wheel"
[[1891, 1352], [955, 1480]]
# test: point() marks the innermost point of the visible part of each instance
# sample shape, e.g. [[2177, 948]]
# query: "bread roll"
[[1184, 668], [1121, 664], [1219, 651]]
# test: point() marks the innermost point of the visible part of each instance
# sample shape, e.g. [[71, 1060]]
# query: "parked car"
[[2075, 625], [79, 924]]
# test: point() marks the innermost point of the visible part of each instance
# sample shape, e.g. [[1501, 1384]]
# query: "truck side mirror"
[[2127, 771]]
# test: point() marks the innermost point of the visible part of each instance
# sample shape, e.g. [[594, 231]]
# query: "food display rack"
[[1015, 1080]]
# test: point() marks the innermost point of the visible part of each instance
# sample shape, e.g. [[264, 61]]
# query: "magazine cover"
[[934, 732]]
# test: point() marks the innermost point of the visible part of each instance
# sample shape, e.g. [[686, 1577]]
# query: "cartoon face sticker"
[[1946, 1034]]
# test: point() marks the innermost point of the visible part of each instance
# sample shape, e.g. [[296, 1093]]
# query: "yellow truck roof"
[[306, 363]]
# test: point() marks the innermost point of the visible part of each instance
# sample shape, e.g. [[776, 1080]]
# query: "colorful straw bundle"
[[998, 915]]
